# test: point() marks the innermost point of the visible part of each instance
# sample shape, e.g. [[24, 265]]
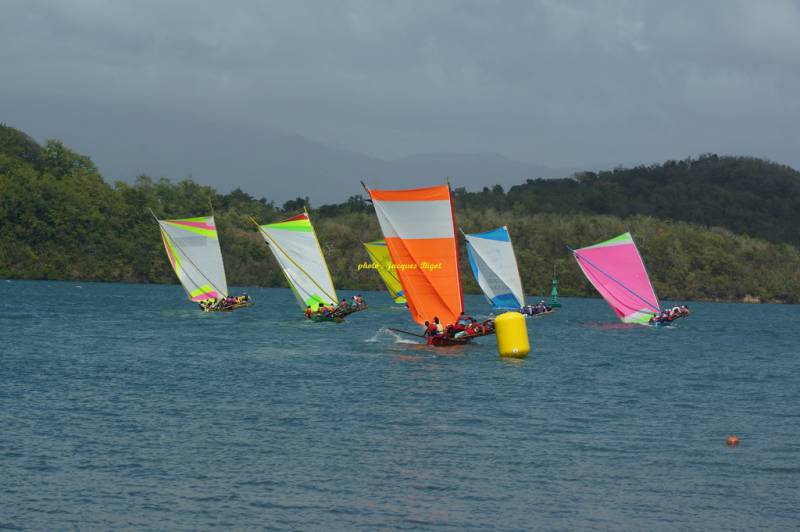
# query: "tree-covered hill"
[[17, 145], [59, 219], [749, 196]]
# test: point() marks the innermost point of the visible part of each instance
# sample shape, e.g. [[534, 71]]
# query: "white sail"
[[294, 244], [491, 256], [192, 247]]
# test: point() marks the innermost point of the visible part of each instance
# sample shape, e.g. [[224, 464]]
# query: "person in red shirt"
[[430, 329]]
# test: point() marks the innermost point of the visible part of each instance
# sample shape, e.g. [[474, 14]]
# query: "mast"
[[455, 243]]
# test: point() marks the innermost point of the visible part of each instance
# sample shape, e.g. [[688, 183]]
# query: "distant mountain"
[[261, 161], [284, 167], [470, 170]]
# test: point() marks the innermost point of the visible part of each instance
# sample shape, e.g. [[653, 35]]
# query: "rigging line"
[[292, 260], [191, 262], [613, 279], [455, 246]]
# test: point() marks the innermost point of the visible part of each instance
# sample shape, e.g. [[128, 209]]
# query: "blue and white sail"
[[494, 264]]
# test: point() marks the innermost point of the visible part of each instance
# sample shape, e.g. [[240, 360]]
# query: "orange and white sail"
[[419, 228]]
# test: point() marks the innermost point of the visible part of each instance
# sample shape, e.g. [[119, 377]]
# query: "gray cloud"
[[188, 87]]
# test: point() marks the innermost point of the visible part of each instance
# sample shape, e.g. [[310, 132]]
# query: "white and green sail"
[[294, 244], [192, 247]]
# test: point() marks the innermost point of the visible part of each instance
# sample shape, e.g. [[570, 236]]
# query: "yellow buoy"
[[512, 335]]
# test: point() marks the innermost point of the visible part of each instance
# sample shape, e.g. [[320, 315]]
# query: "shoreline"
[[747, 299]]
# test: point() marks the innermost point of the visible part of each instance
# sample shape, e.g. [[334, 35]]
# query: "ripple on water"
[[126, 408]]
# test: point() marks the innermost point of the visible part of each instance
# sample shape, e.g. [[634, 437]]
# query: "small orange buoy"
[[733, 440]]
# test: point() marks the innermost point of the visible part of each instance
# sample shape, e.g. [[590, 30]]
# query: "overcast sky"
[[142, 86]]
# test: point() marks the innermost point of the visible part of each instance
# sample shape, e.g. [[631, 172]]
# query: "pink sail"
[[616, 270]]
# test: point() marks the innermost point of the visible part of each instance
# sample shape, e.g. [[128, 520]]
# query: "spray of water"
[[383, 331]]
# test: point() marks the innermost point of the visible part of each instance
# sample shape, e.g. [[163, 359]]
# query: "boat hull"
[[351, 310], [320, 319], [545, 313], [664, 323], [230, 307], [337, 316], [444, 341]]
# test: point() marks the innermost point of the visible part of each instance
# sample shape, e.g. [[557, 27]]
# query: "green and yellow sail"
[[379, 254], [294, 244]]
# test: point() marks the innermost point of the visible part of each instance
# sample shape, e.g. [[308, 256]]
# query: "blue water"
[[122, 406]]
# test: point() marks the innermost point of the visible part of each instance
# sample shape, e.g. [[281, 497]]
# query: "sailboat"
[[192, 246], [615, 268], [379, 255], [491, 256], [418, 226], [294, 244]]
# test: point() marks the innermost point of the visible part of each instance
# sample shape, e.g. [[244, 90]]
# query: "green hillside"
[[59, 219], [746, 195]]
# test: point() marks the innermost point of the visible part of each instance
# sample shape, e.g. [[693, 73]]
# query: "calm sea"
[[122, 406]]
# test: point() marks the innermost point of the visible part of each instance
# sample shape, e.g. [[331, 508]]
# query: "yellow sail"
[[379, 254]]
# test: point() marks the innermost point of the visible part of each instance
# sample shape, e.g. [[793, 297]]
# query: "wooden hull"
[[443, 341], [545, 313], [230, 307], [337, 317], [320, 319], [351, 310], [665, 323]]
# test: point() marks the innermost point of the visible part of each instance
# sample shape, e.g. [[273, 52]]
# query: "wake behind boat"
[[615, 268], [192, 246]]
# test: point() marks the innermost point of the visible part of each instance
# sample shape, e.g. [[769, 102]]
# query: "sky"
[[248, 93]]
